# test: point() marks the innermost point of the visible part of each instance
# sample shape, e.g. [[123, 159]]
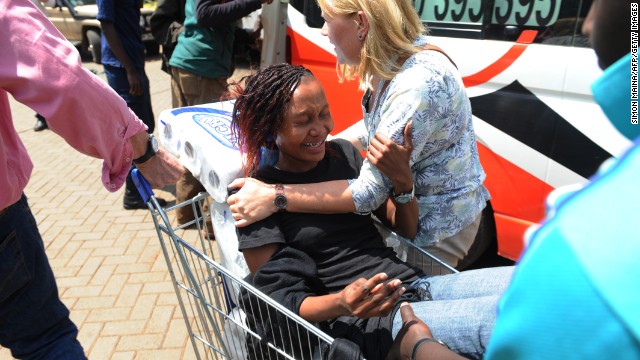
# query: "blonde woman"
[[382, 44]]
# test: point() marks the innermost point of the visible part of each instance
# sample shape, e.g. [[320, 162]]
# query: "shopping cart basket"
[[226, 317]]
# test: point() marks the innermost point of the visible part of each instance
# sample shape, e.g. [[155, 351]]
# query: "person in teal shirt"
[[575, 292], [201, 63]]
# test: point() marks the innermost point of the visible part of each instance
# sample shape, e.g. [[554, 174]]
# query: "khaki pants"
[[189, 89], [450, 250]]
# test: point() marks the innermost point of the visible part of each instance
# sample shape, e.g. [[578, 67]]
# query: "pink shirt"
[[42, 70]]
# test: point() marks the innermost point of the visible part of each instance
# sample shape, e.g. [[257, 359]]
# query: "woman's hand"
[[253, 202], [392, 160], [368, 298]]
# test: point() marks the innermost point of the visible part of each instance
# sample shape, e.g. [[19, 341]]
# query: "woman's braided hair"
[[261, 107]]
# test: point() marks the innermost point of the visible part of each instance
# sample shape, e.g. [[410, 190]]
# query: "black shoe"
[[41, 123], [132, 199], [137, 203]]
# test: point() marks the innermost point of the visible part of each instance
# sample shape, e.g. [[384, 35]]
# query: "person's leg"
[[449, 250], [34, 323], [212, 91], [186, 188], [464, 307], [141, 106], [416, 341], [176, 89], [146, 111], [175, 95], [191, 89], [465, 325], [468, 284]]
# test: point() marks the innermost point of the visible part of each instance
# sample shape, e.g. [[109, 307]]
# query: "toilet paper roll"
[[227, 240], [201, 138]]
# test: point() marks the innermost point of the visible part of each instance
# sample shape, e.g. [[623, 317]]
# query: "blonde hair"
[[393, 27]]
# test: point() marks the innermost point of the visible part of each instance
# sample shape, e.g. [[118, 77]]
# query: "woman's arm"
[[254, 201], [256, 257], [363, 298], [212, 13], [392, 160], [401, 218], [354, 134]]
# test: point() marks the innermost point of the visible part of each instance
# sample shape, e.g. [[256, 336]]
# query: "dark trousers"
[[34, 323]]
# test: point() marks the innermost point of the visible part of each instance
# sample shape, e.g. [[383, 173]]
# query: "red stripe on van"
[[518, 201], [506, 60]]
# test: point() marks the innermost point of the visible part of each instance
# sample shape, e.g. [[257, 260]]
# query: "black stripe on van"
[[519, 113]]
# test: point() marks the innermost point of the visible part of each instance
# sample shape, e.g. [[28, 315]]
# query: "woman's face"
[[301, 139], [343, 32]]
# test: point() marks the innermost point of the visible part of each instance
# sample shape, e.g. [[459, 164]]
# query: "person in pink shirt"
[[42, 70]]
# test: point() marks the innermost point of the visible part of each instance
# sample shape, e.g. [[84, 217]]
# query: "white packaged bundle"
[[200, 136]]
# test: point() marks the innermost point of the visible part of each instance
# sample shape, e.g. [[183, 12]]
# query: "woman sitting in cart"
[[334, 269]]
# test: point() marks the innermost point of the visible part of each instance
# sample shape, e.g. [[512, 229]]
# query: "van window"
[[311, 11], [557, 22]]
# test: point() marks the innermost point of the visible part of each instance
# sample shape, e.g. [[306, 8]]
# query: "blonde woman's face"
[[343, 31]]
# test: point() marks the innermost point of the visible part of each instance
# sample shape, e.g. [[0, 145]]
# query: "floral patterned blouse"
[[447, 174]]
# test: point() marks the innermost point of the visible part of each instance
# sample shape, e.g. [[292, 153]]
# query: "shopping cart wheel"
[[142, 185]]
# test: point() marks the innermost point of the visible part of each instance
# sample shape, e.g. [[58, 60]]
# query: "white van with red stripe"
[[527, 69]]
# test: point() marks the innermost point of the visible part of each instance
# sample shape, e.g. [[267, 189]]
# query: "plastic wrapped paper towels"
[[200, 136]]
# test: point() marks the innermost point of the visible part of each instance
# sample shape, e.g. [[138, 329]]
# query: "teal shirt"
[[204, 51], [575, 293]]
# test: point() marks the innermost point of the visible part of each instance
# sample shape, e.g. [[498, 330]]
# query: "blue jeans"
[[34, 323], [141, 105], [464, 306]]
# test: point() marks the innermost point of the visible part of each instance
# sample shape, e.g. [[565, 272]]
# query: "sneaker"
[[41, 123]]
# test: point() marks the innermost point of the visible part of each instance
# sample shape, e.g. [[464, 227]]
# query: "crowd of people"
[[310, 209]]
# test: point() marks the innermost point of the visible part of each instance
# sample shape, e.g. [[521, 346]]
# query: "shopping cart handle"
[[141, 184]]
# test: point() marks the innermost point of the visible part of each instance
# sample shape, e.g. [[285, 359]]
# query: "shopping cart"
[[226, 317]]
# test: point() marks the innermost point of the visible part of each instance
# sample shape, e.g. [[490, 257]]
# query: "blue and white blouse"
[[446, 169]]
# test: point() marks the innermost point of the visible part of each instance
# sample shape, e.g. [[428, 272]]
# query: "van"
[[527, 70]]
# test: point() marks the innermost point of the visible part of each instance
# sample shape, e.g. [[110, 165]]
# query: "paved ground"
[[107, 261]]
